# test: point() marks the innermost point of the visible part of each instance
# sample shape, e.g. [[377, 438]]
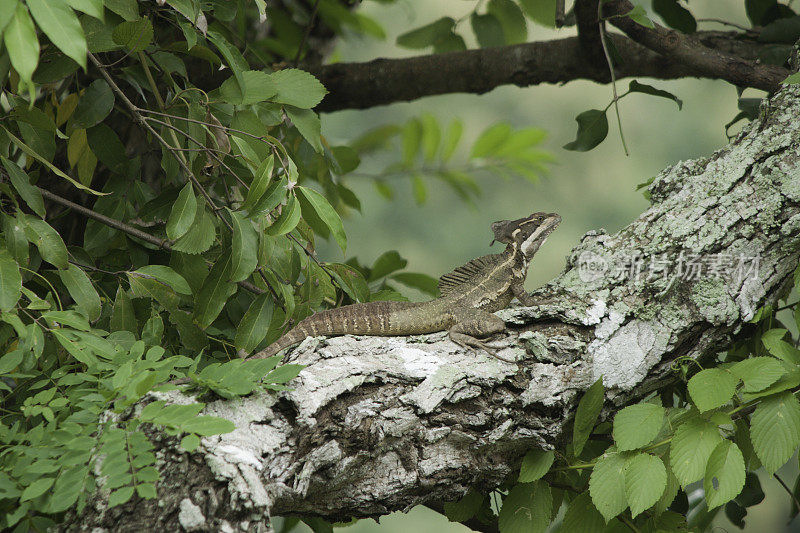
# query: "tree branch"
[[376, 424], [386, 81], [690, 52]]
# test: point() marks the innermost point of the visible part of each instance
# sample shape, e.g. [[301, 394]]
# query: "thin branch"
[[601, 26], [788, 490], [309, 27]]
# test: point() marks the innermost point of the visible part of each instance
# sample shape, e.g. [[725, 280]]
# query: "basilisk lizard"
[[470, 295]]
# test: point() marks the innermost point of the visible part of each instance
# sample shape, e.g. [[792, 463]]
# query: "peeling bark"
[[377, 424]]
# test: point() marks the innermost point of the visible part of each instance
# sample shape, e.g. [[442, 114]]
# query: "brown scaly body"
[[470, 294]]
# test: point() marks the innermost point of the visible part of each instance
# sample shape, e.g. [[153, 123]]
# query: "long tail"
[[370, 318]]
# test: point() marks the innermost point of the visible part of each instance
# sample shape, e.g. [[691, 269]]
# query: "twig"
[[788, 490], [560, 18], [726, 23], [309, 26], [601, 25]]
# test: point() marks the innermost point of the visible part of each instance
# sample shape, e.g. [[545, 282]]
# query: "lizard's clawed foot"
[[468, 341]]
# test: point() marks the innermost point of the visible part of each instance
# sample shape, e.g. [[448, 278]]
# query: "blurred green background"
[[590, 190]]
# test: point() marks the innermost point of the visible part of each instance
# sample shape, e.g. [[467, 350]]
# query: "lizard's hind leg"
[[476, 323]]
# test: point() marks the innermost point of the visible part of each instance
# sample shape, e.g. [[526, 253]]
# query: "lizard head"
[[528, 233]]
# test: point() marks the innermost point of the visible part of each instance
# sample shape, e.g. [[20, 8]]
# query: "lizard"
[[470, 295]]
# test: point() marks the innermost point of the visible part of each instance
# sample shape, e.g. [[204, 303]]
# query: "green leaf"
[[712, 388], [636, 87], [645, 481], [781, 349], [190, 442], [350, 281], [82, 291], [431, 136], [122, 315], [93, 8], [165, 275], [586, 415], [214, 293], [582, 516], [208, 425], [592, 129], [758, 373], [488, 30], [94, 106], [47, 240], [75, 349], [261, 179], [465, 508], [535, 464], [257, 86], [526, 509], [283, 374], [540, 11], [182, 214], [725, 474], [782, 30], [127, 9], [313, 204], [491, 140], [427, 35], [675, 15], [37, 488], [308, 124], [511, 19], [297, 88], [234, 58], [453, 135], [10, 361], [692, 445], [607, 485], [254, 325], [421, 282], [639, 16], [60, 24], [200, 236], [135, 35], [775, 429], [22, 45], [387, 263], [10, 281], [7, 9], [244, 247], [288, 219], [21, 182], [120, 496], [637, 425], [412, 140]]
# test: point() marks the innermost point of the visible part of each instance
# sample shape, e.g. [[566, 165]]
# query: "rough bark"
[[376, 424]]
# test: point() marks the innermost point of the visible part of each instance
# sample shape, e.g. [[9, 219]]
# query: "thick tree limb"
[[379, 424], [688, 51], [386, 81]]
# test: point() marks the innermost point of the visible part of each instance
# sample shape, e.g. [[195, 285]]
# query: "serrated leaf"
[[427, 35], [592, 130], [183, 213], [244, 247], [214, 293], [465, 508], [21, 182], [20, 39], [254, 325], [308, 124], [261, 179], [582, 516], [256, 86], [712, 388], [535, 464], [637, 425], [57, 20], [298, 88], [645, 481], [781, 349], [488, 30], [526, 509], [725, 473], [122, 315], [95, 104], [636, 87], [607, 485], [692, 445], [274, 195], [82, 291], [314, 204], [10, 281], [165, 275], [758, 373], [586, 415], [775, 429], [47, 240], [135, 35]]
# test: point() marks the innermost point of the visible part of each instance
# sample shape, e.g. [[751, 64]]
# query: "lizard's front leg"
[[473, 323]]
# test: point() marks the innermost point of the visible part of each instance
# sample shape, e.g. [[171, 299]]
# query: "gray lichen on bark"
[[375, 424]]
